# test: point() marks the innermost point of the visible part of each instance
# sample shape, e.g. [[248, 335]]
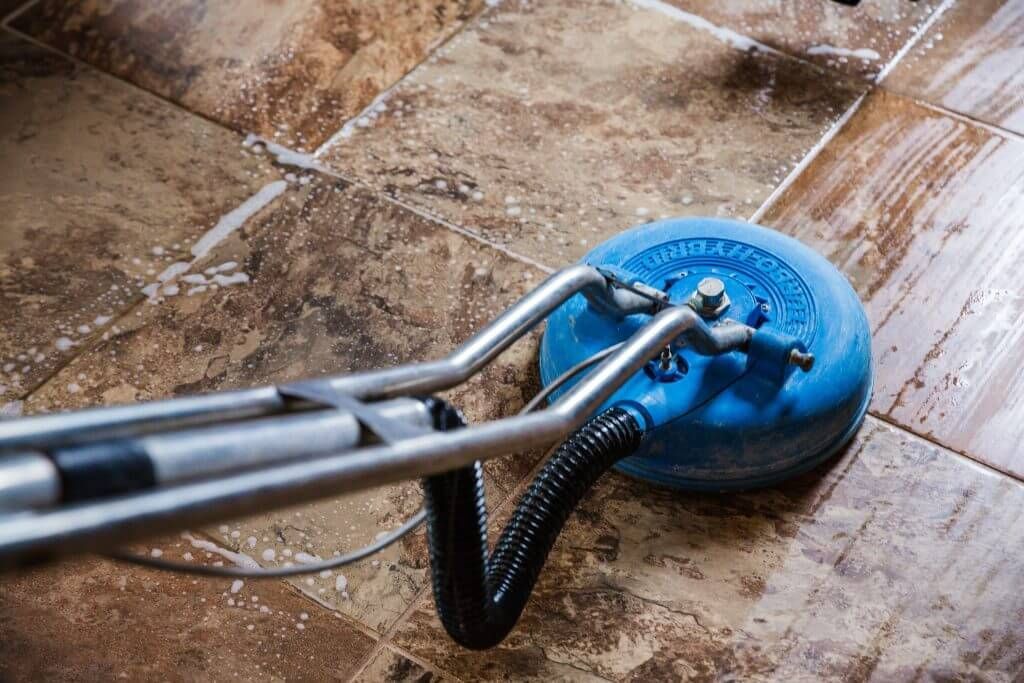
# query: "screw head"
[[710, 299], [711, 290]]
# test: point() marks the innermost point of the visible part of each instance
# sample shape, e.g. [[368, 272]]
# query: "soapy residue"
[[860, 53], [240, 559]]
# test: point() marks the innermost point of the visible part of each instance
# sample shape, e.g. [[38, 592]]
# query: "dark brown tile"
[[922, 212], [394, 667], [549, 127], [92, 619], [970, 62], [294, 71], [101, 188], [339, 280], [897, 562], [9, 6], [858, 40]]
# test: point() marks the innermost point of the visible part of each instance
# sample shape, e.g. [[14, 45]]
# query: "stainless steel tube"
[[234, 447], [90, 527], [27, 480], [102, 423]]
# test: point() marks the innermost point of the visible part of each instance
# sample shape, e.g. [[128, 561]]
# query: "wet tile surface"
[[858, 40], [923, 213], [296, 69], [338, 281], [101, 188], [894, 563], [393, 667], [92, 619], [549, 127], [970, 62]]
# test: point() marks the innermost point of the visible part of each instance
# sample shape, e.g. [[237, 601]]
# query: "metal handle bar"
[[92, 526], [95, 424]]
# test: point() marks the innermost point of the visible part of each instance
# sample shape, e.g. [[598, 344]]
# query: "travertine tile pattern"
[[94, 620], [858, 40], [339, 281], [294, 70], [544, 128], [101, 187], [970, 62], [895, 562], [923, 213], [549, 127]]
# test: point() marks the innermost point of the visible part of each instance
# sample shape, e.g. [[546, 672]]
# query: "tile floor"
[[424, 163]]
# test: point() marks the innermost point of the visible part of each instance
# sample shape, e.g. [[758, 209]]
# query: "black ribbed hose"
[[479, 596]]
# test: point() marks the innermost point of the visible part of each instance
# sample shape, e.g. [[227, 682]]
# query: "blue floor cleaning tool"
[[737, 420], [695, 353]]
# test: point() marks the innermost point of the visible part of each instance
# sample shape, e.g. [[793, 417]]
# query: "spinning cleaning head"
[[736, 420]]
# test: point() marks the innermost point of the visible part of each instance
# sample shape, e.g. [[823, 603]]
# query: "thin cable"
[[568, 375], [243, 573], [356, 555]]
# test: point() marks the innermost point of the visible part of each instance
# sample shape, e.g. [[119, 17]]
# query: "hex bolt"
[[711, 291], [804, 361]]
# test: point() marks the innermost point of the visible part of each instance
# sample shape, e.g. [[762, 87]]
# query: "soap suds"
[[240, 559], [283, 155], [233, 220], [861, 53]]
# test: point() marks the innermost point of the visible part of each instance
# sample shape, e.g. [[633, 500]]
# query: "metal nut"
[[710, 299]]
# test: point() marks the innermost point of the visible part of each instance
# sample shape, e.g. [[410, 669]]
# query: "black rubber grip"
[[103, 469]]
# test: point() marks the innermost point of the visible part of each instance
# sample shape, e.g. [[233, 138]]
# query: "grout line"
[[938, 444], [914, 40], [349, 126], [424, 213], [114, 78], [725, 35], [281, 155], [808, 158], [17, 13], [423, 662], [965, 118], [368, 658]]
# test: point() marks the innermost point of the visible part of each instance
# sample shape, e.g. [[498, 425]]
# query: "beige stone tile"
[[339, 281], [970, 62], [92, 619], [922, 212], [294, 70], [101, 188], [895, 562], [394, 667], [859, 40], [549, 127]]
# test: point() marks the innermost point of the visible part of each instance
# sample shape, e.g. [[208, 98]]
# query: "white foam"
[[237, 585], [727, 36], [340, 583], [233, 279], [63, 343], [860, 53], [283, 155], [240, 559], [233, 220]]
